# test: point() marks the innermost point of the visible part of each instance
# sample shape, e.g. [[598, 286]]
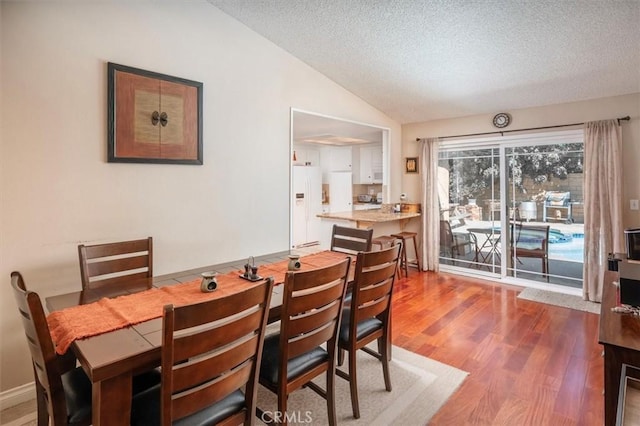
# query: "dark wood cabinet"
[[620, 335]]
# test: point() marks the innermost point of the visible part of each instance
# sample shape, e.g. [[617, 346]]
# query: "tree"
[[542, 163], [475, 173]]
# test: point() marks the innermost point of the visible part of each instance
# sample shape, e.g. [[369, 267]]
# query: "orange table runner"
[[82, 321], [311, 261]]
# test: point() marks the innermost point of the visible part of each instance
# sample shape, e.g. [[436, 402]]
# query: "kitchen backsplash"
[[357, 190], [325, 193], [366, 189]]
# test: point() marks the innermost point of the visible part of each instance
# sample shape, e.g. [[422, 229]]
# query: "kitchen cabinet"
[[340, 192], [367, 164], [370, 164], [340, 159], [304, 155]]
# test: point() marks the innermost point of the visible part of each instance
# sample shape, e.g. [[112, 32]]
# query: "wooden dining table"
[[111, 359]]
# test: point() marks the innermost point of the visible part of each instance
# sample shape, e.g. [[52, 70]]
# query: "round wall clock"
[[501, 120]]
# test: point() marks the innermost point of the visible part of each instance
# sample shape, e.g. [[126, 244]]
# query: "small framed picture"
[[411, 164]]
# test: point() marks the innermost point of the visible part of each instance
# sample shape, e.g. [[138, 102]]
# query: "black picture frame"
[[133, 118]]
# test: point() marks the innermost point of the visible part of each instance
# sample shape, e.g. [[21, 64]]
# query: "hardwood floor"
[[529, 363]]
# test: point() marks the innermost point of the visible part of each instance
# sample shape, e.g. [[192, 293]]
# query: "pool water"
[[556, 236], [571, 248]]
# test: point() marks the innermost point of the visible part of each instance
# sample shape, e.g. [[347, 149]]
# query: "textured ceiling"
[[423, 60]]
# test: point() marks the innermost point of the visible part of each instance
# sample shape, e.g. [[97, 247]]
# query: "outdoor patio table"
[[490, 243]]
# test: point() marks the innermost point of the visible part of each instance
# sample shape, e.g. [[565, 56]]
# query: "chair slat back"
[[350, 240], [531, 237], [311, 309], [373, 284], [45, 364], [112, 263], [446, 235], [211, 349]]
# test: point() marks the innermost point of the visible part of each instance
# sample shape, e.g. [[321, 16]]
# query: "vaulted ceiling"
[[420, 60]]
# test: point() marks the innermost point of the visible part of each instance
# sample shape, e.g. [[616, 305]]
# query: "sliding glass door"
[[545, 196], [469, 195], [513, 208]]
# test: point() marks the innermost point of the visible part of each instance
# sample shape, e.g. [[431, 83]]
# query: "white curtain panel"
[[430, 206], [602, 202]]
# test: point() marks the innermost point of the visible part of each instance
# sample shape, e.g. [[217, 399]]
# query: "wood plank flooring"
[[529, 363]]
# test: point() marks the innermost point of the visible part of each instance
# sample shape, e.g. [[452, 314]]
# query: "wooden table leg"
[[111, 401], [612, 370]]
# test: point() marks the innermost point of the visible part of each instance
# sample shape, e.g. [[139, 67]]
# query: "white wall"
[[575, 112], [56, 188]]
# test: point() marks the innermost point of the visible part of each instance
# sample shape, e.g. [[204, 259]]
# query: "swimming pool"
[[557, 236], [570, 250]]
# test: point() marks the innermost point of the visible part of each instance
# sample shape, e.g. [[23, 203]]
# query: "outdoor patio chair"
[[531, 241], [453, 243]]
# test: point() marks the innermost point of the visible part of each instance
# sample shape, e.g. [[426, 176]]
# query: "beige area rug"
[[420, 387], [559, 299]]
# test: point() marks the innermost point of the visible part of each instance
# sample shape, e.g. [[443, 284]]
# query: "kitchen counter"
[[367, 218]]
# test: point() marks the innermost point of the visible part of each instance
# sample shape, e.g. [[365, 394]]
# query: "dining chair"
[[349, 240], [211, 354], [63, 391], [368, 317], [312, 303], [115, 263], [531, 241]]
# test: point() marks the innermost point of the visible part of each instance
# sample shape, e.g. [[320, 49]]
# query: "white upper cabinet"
[[340, 159], [370, 164], [306, 156]]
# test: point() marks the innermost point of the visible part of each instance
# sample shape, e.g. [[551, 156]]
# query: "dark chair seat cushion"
[[77, 393], [270, 366], [146, 380], [145, 410], [364, 328]]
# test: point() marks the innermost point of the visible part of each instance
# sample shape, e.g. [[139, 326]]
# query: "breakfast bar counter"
[[367, 218]]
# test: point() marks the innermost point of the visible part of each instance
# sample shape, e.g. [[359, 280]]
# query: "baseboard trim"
[[17, 395]]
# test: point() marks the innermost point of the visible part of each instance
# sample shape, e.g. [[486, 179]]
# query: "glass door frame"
[[502, 143]]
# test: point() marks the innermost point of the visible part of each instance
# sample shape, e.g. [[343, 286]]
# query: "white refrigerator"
[[340, 192], [306, 205]]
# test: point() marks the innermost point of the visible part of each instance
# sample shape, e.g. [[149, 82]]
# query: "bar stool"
[[384, 240], [404, 236]]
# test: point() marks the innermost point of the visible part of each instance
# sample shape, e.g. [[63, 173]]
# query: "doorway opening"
[[336, 165]]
